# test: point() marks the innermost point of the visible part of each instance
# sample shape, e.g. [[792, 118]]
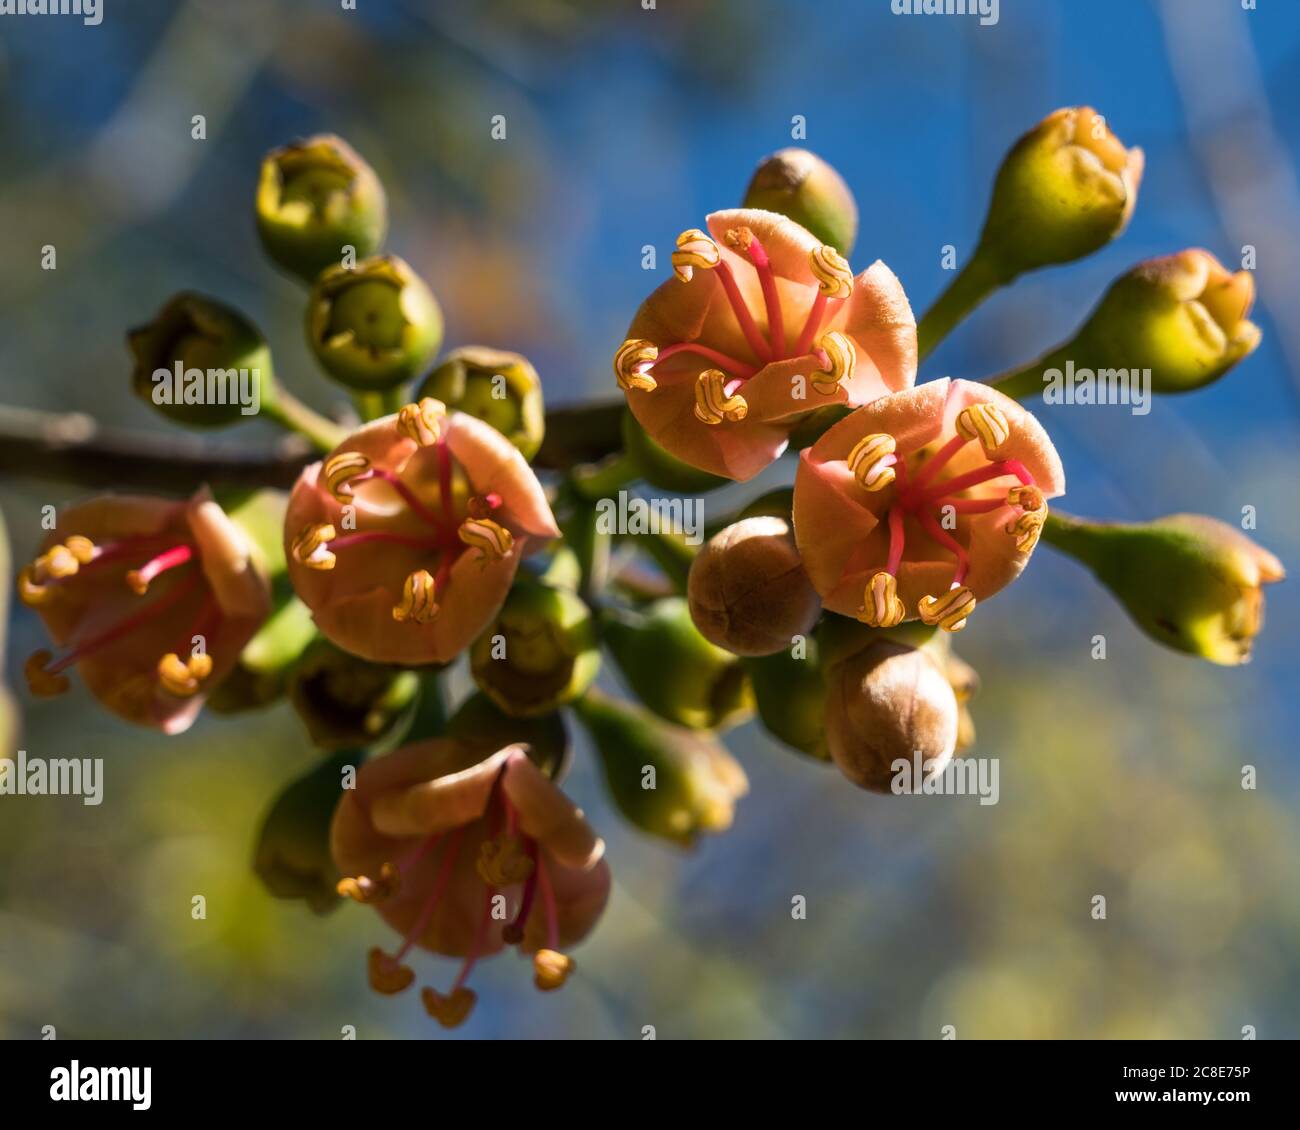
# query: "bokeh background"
[[1118, 777]]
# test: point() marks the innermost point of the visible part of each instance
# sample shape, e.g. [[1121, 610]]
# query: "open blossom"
[[404, 541], [152, 600], [464, 857], [923, 503], [762, 324]]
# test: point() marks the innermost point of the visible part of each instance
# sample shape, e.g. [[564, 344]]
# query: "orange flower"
[[405, 540], [154, 600], [464, 857], [762, 324], [923, 503]]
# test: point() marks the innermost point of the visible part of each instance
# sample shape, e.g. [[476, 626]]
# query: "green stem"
[[295, 416], [976, 281], [605, 480], [384, 402], [1028, 381], [1075, 537], [671, 553]]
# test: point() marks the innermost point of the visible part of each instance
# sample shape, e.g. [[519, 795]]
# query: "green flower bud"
[[375, 326], [478, 721], [1066, 189], [674, 670], [314, 198], [886, 703], [292, 857], [655, 466], [1189, 581], [539, 653], [500, 388], [201, 363], [346, 702], [1181, 316], [748, 592], [669, 781], [801, 185], [791, 697]]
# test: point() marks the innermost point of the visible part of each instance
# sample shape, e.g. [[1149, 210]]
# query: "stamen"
[[59, 562], [386, 975], [364, 889], [493, 541], [949, 611], [881, 606], [937, 462], [632, 364], [838, 358], [138, 579], [739, 368], [1027, 529], [417, 604], [987, 423], [439, 887], [504, 862], [30, 591], [713, 404], [832, 271], [476, 946], [41, 681], [449, 1011], [872, 461], [422, 422], [753, 335], [743, 241], [694, 249], [513, 932], [1027, 497], [340, 470], [550, 967], [974, 478], [184, 678], [970, 505], [309, 547], [897, 538], [949, 543], [82, 548]]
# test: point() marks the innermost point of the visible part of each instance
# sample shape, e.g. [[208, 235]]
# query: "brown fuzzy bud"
[[887, 703], [748, 591]]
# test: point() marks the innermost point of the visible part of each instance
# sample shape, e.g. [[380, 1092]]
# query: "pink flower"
[[923, 503], [761, 325], [405, 540], [464, 857], [153, 600]]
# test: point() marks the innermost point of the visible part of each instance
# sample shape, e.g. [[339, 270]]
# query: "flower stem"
[[600, 482], [976, 281], [373, 405], [295, 416], [1027, 381]]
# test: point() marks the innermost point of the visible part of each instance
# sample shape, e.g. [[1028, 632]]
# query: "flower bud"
[[799, 184], [657, 467], [790, 693], [1066, 189], [201, 363], [1181, 316], [1189, 581], [478, 722], [889, 702], [315, 198], [747, 590], [346, 702], [498, 387], [669, 781], [674, 670], [539, 652], [374, 326], [293, 847]]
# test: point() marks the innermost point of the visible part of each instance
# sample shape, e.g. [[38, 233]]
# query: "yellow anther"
[[58, 562], [841, 357], [985, 422], [184, 677], [340, 470], [137, 582], [449, 1011], [422, 422], [949, 611], [311, 546], [364, 889], [881, 606], [868, 462], [694, 249], [551, 969], [503, 862], [82, 548], [491, 539], [1026, 496], [1026, 529], [738, 239], [30, 591], [832, 271], [632, 365], [386, 975], [41, 682], [712, 404], [417, 604]]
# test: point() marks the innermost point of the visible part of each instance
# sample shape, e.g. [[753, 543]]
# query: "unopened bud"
[[799, 184], [498, 387]]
